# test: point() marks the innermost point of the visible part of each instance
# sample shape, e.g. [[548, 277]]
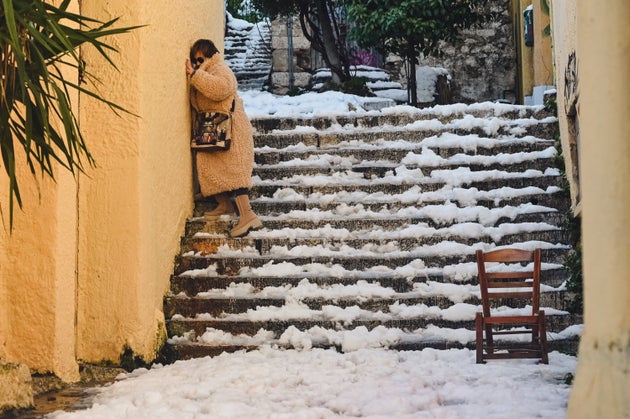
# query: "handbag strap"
[[230, 111]]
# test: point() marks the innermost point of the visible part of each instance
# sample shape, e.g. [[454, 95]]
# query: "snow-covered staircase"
[[371, 224], [248, 52]]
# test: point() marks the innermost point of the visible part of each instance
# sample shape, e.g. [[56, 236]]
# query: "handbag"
[[213, 131]]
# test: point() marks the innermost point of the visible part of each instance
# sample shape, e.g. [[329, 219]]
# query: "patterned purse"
[[213, 131]]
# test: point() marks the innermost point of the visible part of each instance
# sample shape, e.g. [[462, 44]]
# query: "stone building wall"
[[483, 64], [302, 67]]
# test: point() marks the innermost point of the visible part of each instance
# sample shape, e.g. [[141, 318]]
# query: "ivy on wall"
[[573, 225]]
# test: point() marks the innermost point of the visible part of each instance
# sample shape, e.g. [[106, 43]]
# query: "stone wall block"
[[280, 60]]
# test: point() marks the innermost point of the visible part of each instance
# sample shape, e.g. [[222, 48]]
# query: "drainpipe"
[[290, 51]]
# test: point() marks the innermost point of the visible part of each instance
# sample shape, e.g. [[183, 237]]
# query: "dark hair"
[[205, 46]]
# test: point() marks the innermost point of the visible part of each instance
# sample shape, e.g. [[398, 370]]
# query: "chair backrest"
[[507, 277]]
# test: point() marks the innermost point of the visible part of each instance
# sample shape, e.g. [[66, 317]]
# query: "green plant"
[[295, 91], [551, 104], [413, 28], [568, 379], [573, 260], [573, 264], [38, 45], [129, 361], [544, 6], [242, 9], [354, 86]]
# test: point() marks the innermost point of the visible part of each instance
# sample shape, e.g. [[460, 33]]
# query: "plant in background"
[[355, 86], [129, 361], [38, 44], [573, 265], [243, 9], [573, 225], [544, 6], [412, 27]]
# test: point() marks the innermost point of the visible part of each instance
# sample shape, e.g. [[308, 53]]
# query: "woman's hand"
[[189, 68]]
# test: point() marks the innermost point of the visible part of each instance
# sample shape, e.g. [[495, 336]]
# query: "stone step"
[[249, 67], [246, 76], [219, 304], [399, 280], [181, 326], [482, 150], [371, 170], [349, 183], [259, 60], [199, 350], [231, 263], [332, 138], [390, 204], [357, 218], [357, 240], [275, 207], [514, 115]]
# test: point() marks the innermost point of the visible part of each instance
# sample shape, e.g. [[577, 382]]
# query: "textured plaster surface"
[[84, 271], [603, 374], [134, 205], [565, 43]]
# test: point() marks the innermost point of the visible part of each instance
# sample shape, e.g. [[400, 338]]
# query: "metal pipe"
[[290, 51]]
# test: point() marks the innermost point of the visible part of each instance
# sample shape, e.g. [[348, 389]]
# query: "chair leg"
[[535, 334], [543, 337], [489, 340], [479, 337]]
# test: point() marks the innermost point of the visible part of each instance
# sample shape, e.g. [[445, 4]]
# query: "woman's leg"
[[248, 220], [224, 207]]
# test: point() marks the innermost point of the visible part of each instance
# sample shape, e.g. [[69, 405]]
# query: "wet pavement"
[[52, 394], [75, 397]]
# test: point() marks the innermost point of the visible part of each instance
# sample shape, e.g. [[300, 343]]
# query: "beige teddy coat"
[[212, 88]]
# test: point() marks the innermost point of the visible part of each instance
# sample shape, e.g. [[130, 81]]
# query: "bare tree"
[[321, 24]]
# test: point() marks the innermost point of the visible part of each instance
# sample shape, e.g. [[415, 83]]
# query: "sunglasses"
[[198, 60]]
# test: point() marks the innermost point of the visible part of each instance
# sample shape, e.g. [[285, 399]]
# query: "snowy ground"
[[369, 383], [317, 383]]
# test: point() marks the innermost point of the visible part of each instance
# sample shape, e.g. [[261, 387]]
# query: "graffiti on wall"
[[571, 91]]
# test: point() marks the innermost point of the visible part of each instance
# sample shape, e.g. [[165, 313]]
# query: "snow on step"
[[370, 231]]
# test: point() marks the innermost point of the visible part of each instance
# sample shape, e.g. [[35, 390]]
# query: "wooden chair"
[[508, 288]]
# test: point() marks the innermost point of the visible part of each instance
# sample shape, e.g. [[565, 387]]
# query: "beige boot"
[[248, 220], [224, 207]]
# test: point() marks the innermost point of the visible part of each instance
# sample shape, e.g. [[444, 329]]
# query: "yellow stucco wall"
[[564, 26], [37, 270], [524, 53], [37, 280], [85, 269], [535, 62], [542, 63], [602, 386], [133, 207]]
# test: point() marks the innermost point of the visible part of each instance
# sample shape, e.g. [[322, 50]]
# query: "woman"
[[223, 174]]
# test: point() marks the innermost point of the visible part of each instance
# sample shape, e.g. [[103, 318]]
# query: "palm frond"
[[38, 42]]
